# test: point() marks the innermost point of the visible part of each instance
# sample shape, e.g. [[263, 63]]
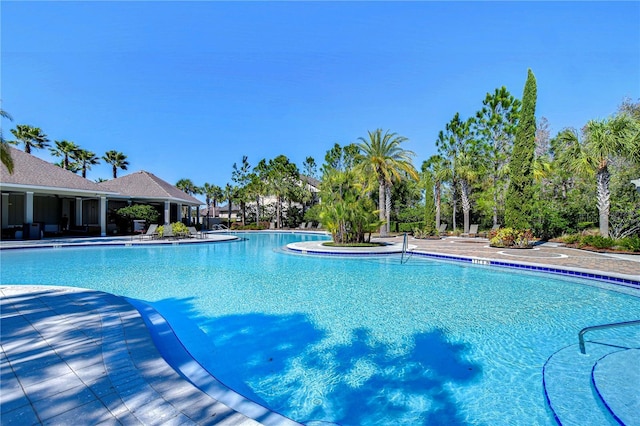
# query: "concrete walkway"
[[71, 356]]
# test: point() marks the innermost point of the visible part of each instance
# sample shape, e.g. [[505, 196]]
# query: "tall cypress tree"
[[519, 201]]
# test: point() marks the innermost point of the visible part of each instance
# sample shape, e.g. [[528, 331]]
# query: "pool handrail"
[[600, 327]]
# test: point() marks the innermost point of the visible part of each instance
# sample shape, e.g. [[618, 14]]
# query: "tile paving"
[[73, 356], [548, 254]]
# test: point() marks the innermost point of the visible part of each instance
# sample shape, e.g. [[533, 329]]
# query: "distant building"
[[42, 193]]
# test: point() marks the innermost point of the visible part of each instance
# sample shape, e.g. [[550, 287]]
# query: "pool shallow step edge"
[[616, 379], [570, 389]]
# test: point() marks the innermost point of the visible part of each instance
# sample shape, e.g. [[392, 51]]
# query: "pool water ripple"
[[349, 341]]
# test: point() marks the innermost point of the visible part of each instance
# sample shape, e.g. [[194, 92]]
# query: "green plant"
[[570, 239], [424, 233], [630, 243], [409, 227], [509, 237], [139, 211], [598, 241], [179, 228], [585, 225]]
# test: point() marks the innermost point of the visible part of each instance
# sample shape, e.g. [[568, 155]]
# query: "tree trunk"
[[438, 199], [381, 205], [495, 201], [603, 200], [258, 211], [387, 206], [454, 201], [466, 203], [278, 212]]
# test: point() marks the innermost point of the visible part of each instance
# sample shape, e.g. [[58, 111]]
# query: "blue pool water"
[[352, 341]]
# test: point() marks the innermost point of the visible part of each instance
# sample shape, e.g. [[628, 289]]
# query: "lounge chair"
[[193, 233], [442, 229], [303, 225], [272, 225], [473, 231], [152, 232], [168, 231]]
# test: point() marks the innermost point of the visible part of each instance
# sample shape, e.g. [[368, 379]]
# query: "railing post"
[[600, 327]]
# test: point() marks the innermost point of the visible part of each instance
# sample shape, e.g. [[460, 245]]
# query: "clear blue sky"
[[185, 89]]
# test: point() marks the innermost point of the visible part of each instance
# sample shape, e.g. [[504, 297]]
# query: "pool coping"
[[316, 248], [58, 243]]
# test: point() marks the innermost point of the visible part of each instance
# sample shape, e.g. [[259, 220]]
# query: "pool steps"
[[618, 373], [586, 389]]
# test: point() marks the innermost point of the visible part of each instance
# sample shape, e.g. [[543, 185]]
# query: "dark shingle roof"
[[32, 171], [147, 185]]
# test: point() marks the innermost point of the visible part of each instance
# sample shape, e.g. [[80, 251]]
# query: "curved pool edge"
[[316, 248], [179, 358], [58, 243]]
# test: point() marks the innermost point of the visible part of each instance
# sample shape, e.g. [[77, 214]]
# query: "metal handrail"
[[405, 245], [600, 327]]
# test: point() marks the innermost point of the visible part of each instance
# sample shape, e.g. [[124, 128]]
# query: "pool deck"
[[76, 356]]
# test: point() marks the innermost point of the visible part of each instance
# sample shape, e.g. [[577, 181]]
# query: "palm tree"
[[382, 157], [85, 160], [64, 149], [187, 186], [466, 165], [229, 194], [117, 160], [5, 154], [31, 137], [241, 176], [211, 193], [437, 167], [604, 140]]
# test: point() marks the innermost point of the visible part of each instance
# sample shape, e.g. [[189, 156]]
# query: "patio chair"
[[303, 225], [152, 232], [473, 231], [193, 233], [442, 229], [168, 231]]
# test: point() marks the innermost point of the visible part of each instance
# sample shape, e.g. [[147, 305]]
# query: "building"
[[49, 199]]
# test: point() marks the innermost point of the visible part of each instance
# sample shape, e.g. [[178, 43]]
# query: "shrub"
[[509, 237], [137, 212], [409, 227], [177, 228], [585, 225], [598, 241], [570, 239], [630, 243]]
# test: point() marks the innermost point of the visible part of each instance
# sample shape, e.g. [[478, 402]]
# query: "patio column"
[[102, 216], [78, 211], [28, 207], [5, 210], [167, 212]]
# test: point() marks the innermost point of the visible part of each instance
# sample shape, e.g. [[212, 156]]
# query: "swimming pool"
[[351, 341]]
